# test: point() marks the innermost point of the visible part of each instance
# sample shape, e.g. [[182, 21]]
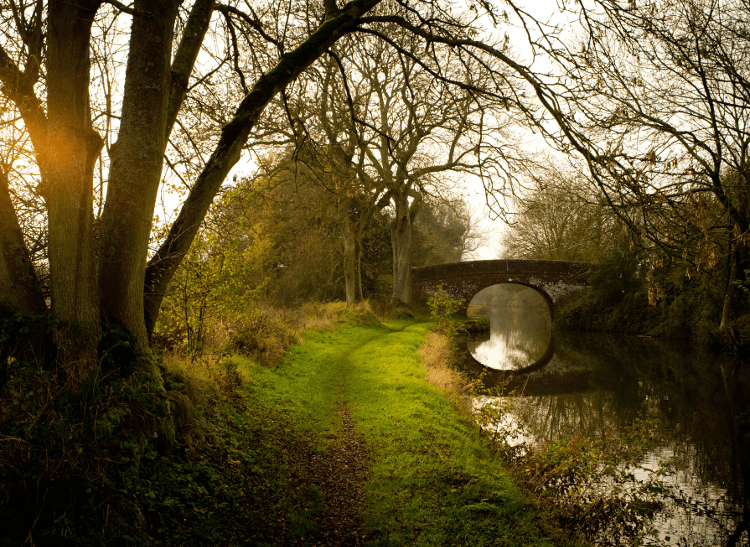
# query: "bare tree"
[[50, 63], [561, 217], [445, 232], [654, 97], [403, 132]]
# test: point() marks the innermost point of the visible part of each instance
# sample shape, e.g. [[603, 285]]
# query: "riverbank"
[[342, 442], [625, 437], [675, 307]]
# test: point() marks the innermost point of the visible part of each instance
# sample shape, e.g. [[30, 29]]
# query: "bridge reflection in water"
[[519, 334]]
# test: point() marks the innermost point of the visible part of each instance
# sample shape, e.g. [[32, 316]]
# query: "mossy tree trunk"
[[117, 284], [135, 174], [401, 230], [67, 160], [19, 285]]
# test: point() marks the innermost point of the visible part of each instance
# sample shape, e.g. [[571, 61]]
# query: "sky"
[[543, 10]]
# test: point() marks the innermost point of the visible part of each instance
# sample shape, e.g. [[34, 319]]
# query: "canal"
[[690, 409]]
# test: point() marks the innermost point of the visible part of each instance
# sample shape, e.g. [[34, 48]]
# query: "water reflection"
[[696, 407], [519, 327]]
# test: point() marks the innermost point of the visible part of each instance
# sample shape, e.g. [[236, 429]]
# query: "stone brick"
[[554, 280]]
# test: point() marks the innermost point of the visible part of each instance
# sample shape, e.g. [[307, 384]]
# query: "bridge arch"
[[547, 299], [556, 280]]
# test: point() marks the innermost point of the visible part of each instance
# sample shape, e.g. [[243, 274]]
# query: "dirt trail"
[[341, 473]]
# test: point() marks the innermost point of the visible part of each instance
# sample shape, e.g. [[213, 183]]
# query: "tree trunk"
[[401, 243], [67, 164], [730, 295], [19, 285], [352, 263], [135, 174]]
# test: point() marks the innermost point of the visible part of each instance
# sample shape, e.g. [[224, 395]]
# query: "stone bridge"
[[555, 280]]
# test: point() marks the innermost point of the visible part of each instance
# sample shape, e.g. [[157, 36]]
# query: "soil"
[[341, 472]]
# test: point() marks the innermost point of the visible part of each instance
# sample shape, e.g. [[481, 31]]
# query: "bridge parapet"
[[555, 280]]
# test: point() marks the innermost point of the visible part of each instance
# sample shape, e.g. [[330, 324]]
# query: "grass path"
[[430, 480]]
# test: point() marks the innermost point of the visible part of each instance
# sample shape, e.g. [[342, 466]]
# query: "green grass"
[[304, 387], [432, 480]]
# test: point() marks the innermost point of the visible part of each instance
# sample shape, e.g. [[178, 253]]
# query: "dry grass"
[[200, 375], [438, 356], [363, 313], [265, 333]]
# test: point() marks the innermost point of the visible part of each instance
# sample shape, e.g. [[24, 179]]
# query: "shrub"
[[74, 457], [264, 335], [442, 307], [359, 314]]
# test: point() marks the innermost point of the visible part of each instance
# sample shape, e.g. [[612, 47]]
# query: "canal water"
[[695, 408]]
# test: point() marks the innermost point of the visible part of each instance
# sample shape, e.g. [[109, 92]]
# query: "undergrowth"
[[72, 456], [183, 457], [681, 308]]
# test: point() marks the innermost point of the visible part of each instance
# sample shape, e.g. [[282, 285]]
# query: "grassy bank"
[[432, 481]]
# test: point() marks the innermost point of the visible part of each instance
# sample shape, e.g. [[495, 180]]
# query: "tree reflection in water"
[[519, 326], [695, 408]]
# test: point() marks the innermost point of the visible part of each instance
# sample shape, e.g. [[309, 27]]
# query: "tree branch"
[[184, 59], [20, 89], [234, 135], [126, 9]]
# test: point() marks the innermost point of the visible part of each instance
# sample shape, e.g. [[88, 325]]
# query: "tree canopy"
[[652, 97], [107, 101]]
